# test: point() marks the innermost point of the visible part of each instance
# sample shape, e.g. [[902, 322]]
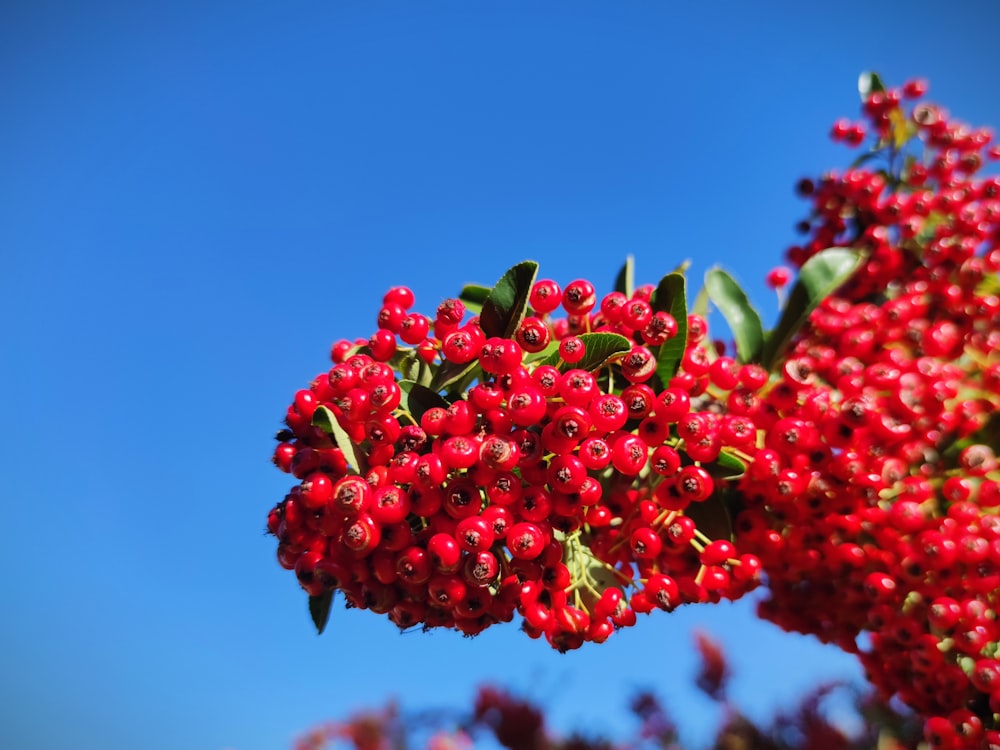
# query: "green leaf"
[[326, 420], [450, 373], [868, 83], [409, 365], [419, 398], [544, 354], [700, 306], [670, 296], [902, 128], [319, 609], [928, 229], [625, 283], [507, 302], [413, 367], [473, 296], [989, 285], [730, 466], [819, 277], [599, 348], [712, 516], [743, 320], [988, 435], [865, 157]]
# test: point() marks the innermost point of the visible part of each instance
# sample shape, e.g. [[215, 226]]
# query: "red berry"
[[399, 295], [778, 277], [645, 543], [526, 541], [579, 297], [572, 349], [474, 534], [545, 296], [629, 454]]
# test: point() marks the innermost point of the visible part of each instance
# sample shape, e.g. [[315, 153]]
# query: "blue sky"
[[196, 199]]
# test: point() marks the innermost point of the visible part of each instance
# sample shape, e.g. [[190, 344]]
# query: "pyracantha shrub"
[[534, 451], [537, 449], [499, 718], [873, 500]]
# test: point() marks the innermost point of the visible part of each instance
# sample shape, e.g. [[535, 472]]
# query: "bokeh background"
[[197, 198]]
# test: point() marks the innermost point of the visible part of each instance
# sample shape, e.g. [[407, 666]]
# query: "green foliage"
[[319, 610], [507, 302], [326, 420], [743, 320], [819, 277], [669, 297]]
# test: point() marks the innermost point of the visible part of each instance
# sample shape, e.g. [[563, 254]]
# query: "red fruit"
[[450, 312], [594, 453], [915, 88], [390, 317], [317, 491], [284, 454], [661, 328], [572, 349], [778, 277], [662, 591], [526, 407], [460, 346], [504, 489], [545, 296], [474, 534], [526, 541], [481, 568], [462, 498], [533, 335], [363, 535], [566, 473], [613, 306], [413, 328], [639, 400], [399, 295], [305, 403], [579, 297], [578, 388], [693, 483], [636, 314], [500, 356], [718, 552], [446, 590], [570, 423], [414, 565], [608, 413], [673, 403], [460, 418], [429, 471], [638, 364], [665, 461], [629, 454], [383, 345], [390, 504], [352, 495], [645, 543], [498, 452], [445, 551], [459, 452]]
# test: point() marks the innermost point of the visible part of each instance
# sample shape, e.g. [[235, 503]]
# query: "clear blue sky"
[[196, 199]]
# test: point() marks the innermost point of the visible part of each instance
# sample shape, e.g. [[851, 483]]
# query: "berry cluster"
[[459, 469], [874, 502], [536, 450], [498, 718]]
